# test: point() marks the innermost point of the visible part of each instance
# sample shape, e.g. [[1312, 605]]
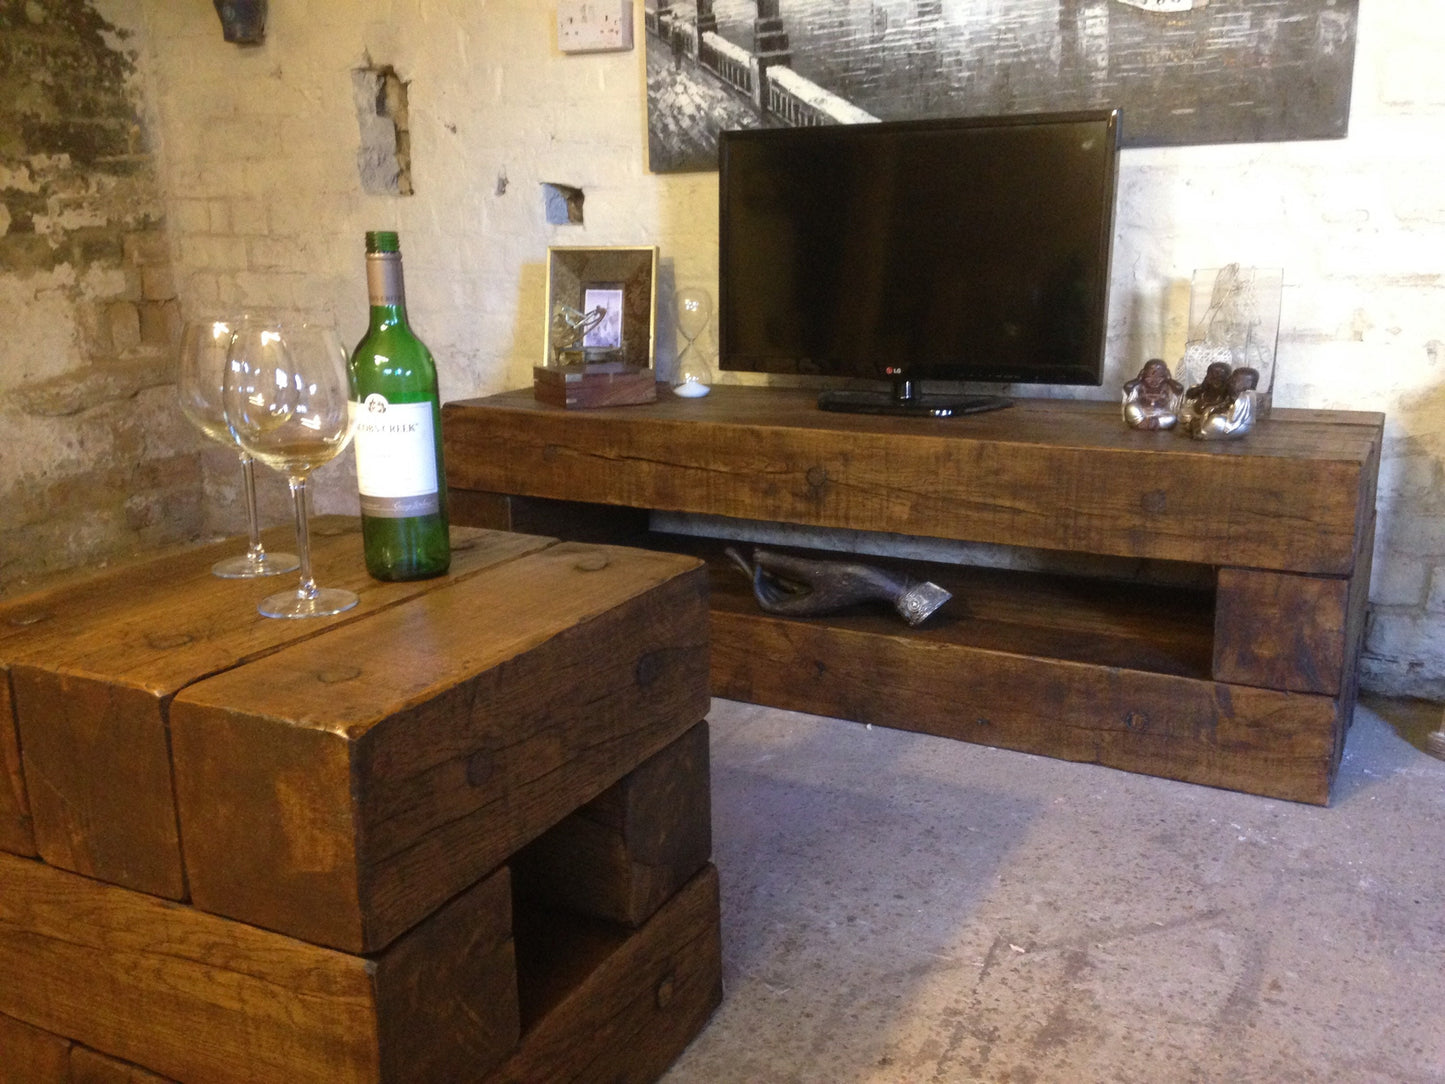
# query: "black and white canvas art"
[[1183, 71]]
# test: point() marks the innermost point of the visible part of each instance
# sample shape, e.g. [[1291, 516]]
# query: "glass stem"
[[255, 552], [303, 535]]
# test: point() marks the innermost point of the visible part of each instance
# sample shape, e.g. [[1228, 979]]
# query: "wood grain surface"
[[16, 833], [644, 992], [1046, 473], [626, 852], [93, 666], [145, 980], [1245, 680], [1280, 630], [340, 789], [1262, 741]]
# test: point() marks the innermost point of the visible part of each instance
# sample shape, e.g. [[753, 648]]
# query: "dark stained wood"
[[16, 833], [98, 771], [90, 1067], [1357, 614], [611, 1004], [1280, 630], [1047, 473], [626, 852], [1256, 740], [363, 781], [29, 1055], [1080, 619], [94, 665], [340, 789], [576, 520], [586, 390], [1208, 678], [196, 997]]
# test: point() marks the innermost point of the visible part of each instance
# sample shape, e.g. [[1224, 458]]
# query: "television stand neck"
[[907, 399]]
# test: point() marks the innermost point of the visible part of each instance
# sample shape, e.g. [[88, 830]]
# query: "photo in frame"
[[601, 327], [606, 334]]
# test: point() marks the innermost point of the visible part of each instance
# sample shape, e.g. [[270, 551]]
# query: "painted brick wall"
[[263, 206], [93, 464]]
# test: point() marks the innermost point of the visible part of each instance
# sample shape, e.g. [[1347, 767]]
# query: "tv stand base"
[[1245, 679]]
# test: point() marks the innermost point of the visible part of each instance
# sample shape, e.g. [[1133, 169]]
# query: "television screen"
[[962, 250]]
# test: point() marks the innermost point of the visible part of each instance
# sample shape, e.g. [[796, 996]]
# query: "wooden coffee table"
[[458, 833]]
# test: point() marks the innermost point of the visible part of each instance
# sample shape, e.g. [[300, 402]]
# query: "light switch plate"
[[594, 26]]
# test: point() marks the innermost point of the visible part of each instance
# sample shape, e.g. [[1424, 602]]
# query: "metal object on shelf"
[[803, 587], [1224, 405], [1151, 399]]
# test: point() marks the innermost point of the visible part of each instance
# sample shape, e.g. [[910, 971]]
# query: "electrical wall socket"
[[594, 26]]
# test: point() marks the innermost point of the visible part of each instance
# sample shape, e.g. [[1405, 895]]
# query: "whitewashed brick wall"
[[265, 207]]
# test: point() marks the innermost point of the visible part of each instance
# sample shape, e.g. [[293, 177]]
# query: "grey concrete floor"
[[902, 909]]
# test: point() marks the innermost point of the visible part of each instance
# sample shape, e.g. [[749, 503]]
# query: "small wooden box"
[[586, 386]]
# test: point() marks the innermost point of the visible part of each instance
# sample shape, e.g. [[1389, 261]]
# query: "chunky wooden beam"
[[648, 991], [16, 833], [342, 788], [1280, 630], [144, 979], [623, 854], [93, 667], [1258, 740], [1055, 474]]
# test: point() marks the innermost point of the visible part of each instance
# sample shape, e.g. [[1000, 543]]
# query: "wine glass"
[[286, 400], [205, 343], [692, 375]]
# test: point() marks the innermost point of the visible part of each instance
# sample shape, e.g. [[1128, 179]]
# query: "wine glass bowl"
[[286, 400], [200, 383]]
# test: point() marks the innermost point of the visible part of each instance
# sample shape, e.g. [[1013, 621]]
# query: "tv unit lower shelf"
[[1244, 678]]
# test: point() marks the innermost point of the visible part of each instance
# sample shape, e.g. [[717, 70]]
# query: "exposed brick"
[[123, 323], [160, 322], [157, 283], [248, 216], [148, 248], [118, 381]]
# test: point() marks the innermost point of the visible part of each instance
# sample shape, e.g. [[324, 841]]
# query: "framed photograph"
[[606, 332], [601, 326], [601, 301]]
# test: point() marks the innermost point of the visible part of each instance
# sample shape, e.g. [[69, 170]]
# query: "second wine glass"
[[205, 345], [286, 400]]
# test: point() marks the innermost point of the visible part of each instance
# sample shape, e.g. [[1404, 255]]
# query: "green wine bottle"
[[398, 431]]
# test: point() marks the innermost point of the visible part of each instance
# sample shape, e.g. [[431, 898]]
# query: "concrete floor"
[[902, 909]]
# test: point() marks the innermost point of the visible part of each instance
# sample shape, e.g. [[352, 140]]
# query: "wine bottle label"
[[396, 465]]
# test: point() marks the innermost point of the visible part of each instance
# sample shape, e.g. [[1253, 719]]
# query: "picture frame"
[[606, 334], [601, 332]]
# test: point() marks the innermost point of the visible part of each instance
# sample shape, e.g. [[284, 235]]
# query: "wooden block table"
[[241, 849]]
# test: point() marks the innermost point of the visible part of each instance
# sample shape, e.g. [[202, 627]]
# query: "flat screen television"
[[971, 249]]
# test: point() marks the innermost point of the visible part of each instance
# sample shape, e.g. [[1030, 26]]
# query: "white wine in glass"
[[205, 344], [286, 400]]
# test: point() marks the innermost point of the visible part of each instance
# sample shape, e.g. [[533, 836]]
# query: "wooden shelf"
[[1248, 683], [1167, 630]]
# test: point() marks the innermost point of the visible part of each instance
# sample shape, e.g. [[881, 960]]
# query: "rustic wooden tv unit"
[[1248, 682]]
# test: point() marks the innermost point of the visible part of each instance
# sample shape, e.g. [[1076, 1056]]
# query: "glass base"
[[324, 602], [243, 568]]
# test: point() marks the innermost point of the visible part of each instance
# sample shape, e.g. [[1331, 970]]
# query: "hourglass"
[[692, 374]]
